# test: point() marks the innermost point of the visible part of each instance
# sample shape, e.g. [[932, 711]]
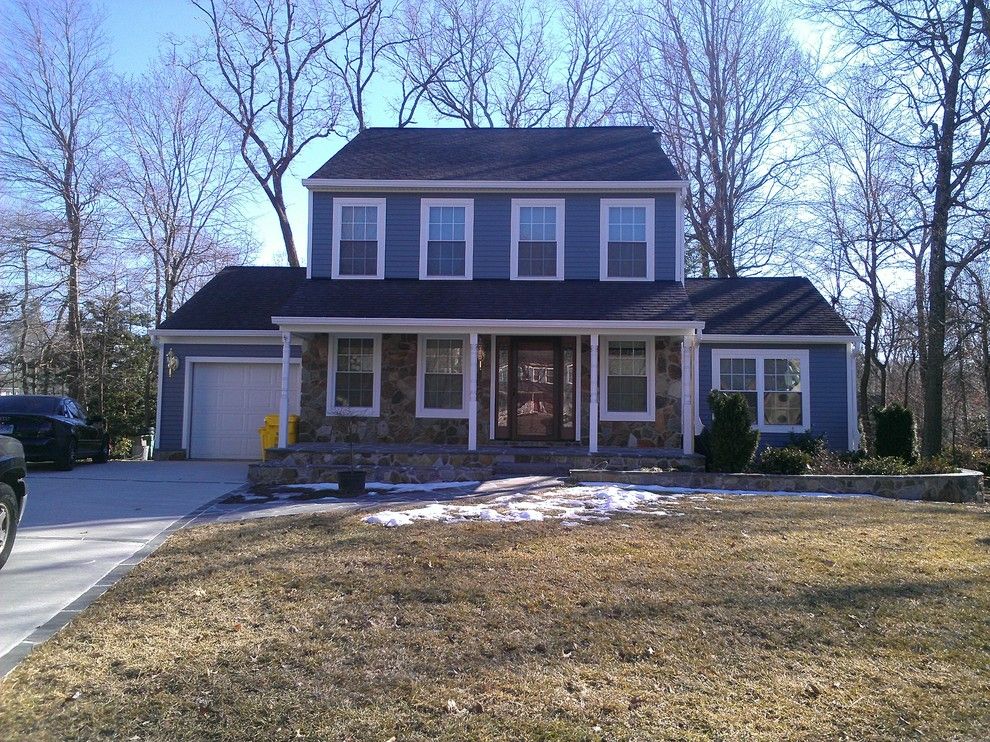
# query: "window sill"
[[436, 414], [353, 412], [627, 417]]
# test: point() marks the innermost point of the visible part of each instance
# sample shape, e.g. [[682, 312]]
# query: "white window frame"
[[761, 355], [376, 406], [517, 204], [650, 414], [434, 412], [651, 229], [424, 236], [338, 204]]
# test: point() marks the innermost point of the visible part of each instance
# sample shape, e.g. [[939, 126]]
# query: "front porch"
[[402, 463], [433, 403]]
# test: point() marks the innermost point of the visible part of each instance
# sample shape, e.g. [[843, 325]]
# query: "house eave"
[[484, 326], [366, 185], [780, 339]]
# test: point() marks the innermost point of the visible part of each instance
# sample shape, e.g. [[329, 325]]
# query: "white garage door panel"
[[229, 404]]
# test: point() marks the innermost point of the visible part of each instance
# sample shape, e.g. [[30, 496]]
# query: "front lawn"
[[744, 618]]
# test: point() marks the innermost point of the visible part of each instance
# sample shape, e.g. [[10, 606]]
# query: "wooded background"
[[847, 141]]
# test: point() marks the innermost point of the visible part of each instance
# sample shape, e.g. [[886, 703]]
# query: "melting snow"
[[573, 506]]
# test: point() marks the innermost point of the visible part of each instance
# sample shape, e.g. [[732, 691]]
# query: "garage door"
[[229, 404]]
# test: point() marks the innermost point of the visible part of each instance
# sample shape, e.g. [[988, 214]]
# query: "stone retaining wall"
[[964, 486]]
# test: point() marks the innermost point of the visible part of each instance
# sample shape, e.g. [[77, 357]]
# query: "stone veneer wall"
[[397, 422], [665, 430]]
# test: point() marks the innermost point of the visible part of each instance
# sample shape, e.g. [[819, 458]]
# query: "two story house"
[[477, 290]]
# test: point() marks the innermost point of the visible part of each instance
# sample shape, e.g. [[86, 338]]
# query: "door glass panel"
[[568, 369], [535, 391], [502, 388]]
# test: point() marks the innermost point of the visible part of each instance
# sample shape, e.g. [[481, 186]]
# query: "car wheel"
[[104, 455], [8, 521], [68, 458]]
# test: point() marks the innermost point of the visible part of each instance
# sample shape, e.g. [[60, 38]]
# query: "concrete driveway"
[[80, 525]]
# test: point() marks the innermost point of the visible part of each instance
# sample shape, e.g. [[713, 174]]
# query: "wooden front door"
[[535, 388]]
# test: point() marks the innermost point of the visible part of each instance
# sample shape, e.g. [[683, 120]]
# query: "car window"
[[80, 410], [70, 409]]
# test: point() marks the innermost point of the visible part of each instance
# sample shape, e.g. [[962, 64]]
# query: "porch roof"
[[490, 300]]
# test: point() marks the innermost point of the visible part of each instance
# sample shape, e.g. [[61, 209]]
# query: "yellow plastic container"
[[269, 432]]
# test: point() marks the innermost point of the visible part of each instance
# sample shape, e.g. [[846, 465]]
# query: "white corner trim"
[[187, 382], [376, 405], [760, 355], [430, 412], [424, 236], [650, 414], [852, 394], [679, 247], [651, 228], [545, 186], [309, 235], [338, 204], [517, 203]]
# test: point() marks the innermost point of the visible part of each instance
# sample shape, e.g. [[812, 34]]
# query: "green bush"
[[811, 444], [935, 465], [787, 460], [895, 433], [733, 440], [882, 465]]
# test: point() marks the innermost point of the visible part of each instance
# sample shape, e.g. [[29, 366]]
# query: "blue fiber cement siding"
[[492, 233], [828, 391], [169, 437]]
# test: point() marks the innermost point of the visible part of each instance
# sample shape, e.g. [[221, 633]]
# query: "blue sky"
[[137, 29]]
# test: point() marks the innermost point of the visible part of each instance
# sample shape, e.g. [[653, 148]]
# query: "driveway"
[[80, 525]]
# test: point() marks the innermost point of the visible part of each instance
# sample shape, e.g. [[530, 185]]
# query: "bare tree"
[[724, 83], [524, 88], [181, 186], [52, 115], [861, 212], [596, 71], [934, 63], [262, 65]]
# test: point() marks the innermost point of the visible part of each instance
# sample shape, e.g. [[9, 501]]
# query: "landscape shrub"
[[703, 446], [934, 465], [811, 444], [894, 433], [882, 465], [787, 460], [733, 440], [977, 459]]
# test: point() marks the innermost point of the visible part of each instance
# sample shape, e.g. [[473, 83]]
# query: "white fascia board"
[[780, 339], [549, 186], [219, 337], [380, 324]]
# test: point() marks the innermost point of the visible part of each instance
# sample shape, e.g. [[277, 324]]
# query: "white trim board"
[[187, 381], [708, 339], [651, 235], [485, 326], [425, 204], [437, 413], [547, 186], [761, 355], [376, 405], [516, 205], [337, 223]]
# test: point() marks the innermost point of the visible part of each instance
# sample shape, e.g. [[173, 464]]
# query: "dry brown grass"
[[762, 619]]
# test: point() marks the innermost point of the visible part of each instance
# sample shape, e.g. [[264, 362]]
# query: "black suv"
[[53, 428], [13, 493]]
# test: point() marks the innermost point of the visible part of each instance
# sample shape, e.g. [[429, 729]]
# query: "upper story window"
[[446, 238], [358, 238], [627, 239], [774, 383], [537, 245]]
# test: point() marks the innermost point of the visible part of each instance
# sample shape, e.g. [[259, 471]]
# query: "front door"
[[535, 388], [536, 396]]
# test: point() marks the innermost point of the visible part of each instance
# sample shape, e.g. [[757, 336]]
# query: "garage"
[[228, 401]]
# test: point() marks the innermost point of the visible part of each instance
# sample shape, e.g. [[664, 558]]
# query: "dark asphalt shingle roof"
[[763, 306], [238, 298], [607, 153], [491, 300], [246, 298]]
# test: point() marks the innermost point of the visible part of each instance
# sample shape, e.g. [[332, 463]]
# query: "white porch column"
[[593, 408], [577, 389], [283, 400], [473, 395], [687, 393]]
